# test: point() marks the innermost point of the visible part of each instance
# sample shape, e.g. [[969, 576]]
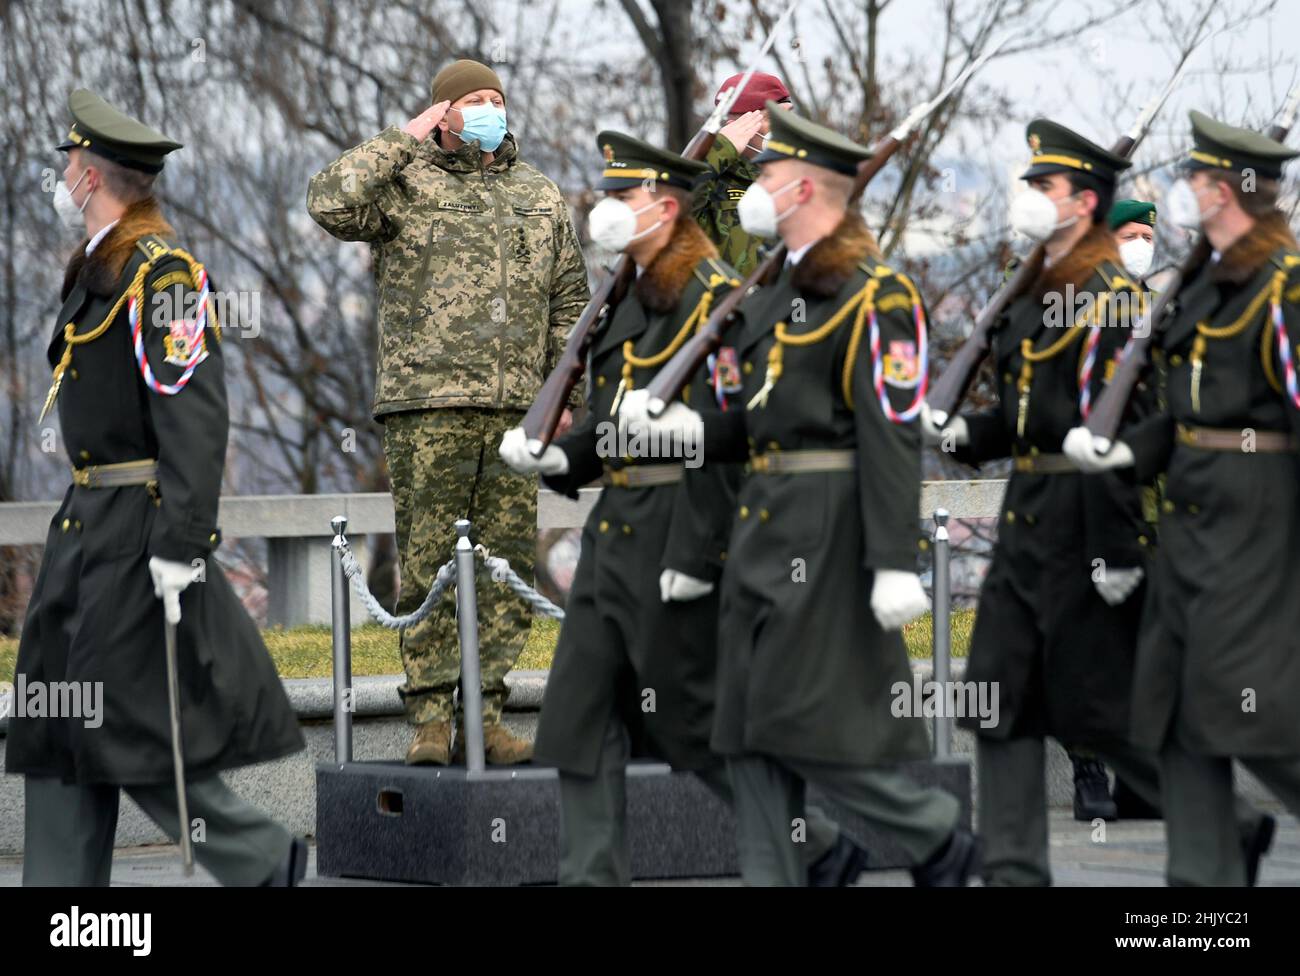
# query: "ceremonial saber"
[[178, 758]]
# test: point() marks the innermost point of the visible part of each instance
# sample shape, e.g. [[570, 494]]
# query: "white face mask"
[[757, 209], [65, 205], [1136, 255], [612, 223], [1183, 204], [1037, 216]]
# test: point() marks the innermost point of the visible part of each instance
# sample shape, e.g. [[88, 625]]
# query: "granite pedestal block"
[[443, 825]]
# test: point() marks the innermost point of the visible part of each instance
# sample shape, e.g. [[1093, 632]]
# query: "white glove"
[[1117, 585], [897, 597], [1090, 455], [679, 423], [956, 431], [514, 452], [678, 586], [169, 579]]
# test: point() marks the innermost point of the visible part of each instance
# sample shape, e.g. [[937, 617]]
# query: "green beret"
[[1131, 211], [1057, 149], [630, 162], [100, 128], [794, 137], [1217, 145]]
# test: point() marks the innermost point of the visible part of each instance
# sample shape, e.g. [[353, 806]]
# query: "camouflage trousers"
[[443, 466]]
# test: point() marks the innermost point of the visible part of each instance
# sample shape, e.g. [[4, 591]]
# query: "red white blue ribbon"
[[923, 368], [197, 346], [1085, 375], [1284, 355]]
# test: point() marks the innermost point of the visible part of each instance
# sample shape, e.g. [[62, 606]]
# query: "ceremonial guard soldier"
[[1058, 616], [1217, 672], [820, 575], [138, 380], [634, 668]]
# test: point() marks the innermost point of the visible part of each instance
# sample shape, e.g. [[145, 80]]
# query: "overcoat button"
[[67, 524], [1011, 516], [764, 514], [627, 529], [604, 525], [1168, 505], [84, 455], [600, 381], [744, 511]]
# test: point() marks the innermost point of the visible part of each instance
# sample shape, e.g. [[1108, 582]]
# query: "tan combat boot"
[[500, 747], [430, 744]]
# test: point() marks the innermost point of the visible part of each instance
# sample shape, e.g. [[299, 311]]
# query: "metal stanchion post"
[[341, 624], [471, 683], [942, 635]]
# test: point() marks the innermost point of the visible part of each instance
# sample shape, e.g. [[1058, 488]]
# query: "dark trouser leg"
[[1013, 811], [593, 817], [1200, 819], [769, 800], [1282, 776], [921, 818], [68, 832], [1141, 771], [236, 842], [822, 830]]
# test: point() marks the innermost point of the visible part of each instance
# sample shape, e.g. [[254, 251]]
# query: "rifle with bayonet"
[[543, 416], [673, 377], [952, 385], [1107, 413]]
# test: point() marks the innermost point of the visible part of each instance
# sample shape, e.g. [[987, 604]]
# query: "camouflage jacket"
[[715, 200], [478, 269]]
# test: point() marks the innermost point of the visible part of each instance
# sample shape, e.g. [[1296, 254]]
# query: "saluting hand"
[[741, 130], [424, 123]]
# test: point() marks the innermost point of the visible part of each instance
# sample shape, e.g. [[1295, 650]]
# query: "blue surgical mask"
[[485, 125]]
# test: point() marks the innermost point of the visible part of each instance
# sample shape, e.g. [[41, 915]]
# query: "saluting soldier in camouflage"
[[732, 168], [479, 276]]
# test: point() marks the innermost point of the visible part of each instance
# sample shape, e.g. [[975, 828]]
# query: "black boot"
[[1091, 791], [292, 869], [1129, 805], [953, 864], [1257, 845], [840, 866]]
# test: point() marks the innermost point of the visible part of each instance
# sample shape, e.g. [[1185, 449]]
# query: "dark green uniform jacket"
[[1219, 663], [622, 649], [1061, 657], [805, 670], [93, 616], [715, 200]]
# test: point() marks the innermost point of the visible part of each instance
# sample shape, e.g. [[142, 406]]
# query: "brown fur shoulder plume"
[[1245, 257], [1077, 267], [660, 286], [101, 270], [833, 260]]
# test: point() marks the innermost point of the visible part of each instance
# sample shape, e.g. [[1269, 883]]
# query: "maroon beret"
[[761, 87]]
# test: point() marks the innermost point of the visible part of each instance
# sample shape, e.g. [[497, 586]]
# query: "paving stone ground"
[[1131, 855]]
